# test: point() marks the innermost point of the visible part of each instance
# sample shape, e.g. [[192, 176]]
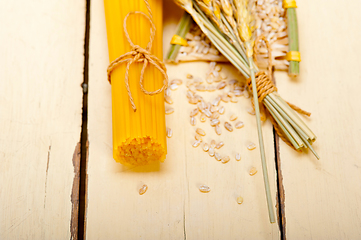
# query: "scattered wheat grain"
[[204, 189], [228, 126], [233, 117], [143, 189], [169, 111], [196, 143], [205, 147], [220, 144], [169, 132], [253, 171], [251, 146], [200, 131]]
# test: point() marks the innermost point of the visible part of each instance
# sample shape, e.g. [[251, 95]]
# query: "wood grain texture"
[[41, 69], [323, 198], [173, 207]]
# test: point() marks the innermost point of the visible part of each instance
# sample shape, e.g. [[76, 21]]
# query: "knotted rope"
[[138, 54], [265, 86]]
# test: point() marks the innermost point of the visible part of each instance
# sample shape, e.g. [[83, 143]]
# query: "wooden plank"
[[173, 207], [41, 65], [323, 198]]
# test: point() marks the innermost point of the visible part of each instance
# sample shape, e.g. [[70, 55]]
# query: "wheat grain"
[[239, 124], [169, 111], [251, 146], [169, 132], [194, 112], [214, 122], [198, 137], [193, 121], [143, 189], [200, 131], [204, 189], [213, 144], [221, 110], [173, 87], [205, 147], [228, 126], [217, 156], [253, 171], [218, 129], [196, 143], [211, 151], [221, 85], [176, 81], [168, 99], [233, 117], [225, 159], [220, 144]]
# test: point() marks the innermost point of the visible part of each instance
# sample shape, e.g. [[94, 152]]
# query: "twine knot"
[[138, 54], [264, 85]]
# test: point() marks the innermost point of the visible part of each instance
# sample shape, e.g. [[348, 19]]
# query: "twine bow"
[[265, 86], [138, 54]]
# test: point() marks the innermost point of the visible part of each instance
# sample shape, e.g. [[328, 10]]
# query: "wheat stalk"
[[244, 19]]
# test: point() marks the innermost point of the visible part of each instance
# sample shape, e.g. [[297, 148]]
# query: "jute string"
[[138, 54], [266, 86]]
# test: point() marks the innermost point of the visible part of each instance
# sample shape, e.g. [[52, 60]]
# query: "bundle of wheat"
[[230, 26]]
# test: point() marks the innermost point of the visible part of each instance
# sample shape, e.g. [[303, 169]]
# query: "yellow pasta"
[[139, 137]]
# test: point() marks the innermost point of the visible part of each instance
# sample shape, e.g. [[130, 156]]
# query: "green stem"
[[276, 109], [286, 117], [311, 148], [273, 113], [183, 28], [261, 144], [294, 68], [290, 112]]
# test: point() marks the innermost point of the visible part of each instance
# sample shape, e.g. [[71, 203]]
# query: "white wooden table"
[[42, 68]]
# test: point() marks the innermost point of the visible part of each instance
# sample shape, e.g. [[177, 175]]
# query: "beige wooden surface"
[[173, 207], [41, 69], [323, 198]]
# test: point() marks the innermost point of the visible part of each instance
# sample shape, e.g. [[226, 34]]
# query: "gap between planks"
[[84, 134], [74, 227], [280, 189]]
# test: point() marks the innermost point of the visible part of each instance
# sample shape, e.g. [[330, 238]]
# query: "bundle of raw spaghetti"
[[136, 75]]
